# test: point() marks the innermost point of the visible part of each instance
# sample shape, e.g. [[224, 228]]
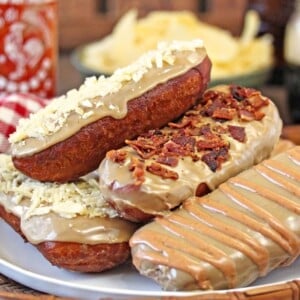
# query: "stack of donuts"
[[138, 164]]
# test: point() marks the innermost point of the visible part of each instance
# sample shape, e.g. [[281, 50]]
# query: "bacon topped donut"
[[72, 134], [231, 129]]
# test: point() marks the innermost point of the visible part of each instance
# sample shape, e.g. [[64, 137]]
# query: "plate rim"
[[44, 283]]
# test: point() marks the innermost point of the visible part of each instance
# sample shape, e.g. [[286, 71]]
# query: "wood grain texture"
[[10, 290]]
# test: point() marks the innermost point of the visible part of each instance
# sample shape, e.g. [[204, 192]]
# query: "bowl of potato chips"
[[245, 60]]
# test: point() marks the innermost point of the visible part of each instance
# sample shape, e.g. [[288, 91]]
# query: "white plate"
[[23, 263]]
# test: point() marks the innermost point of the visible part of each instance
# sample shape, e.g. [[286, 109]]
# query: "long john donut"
[[231, 129], [68, 223], [243, 230], [70, 137]]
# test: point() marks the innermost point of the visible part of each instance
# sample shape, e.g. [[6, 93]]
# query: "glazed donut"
[[69, 223], [231, 129], [71, 136], [244, 229]]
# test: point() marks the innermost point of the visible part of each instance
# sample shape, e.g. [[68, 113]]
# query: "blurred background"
[[87, 22]]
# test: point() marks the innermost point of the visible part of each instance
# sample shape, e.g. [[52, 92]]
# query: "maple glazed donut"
[[247, 227], [231, 129], [70, 137], [70, 223]]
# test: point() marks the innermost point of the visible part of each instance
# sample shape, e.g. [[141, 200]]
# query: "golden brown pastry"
[[71, 135], [244, 229], [69, 223], [230, 130]]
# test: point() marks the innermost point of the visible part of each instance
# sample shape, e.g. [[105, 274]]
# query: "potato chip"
[[230, 56]]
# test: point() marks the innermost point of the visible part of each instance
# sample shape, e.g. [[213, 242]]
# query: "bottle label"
[[28, 48]]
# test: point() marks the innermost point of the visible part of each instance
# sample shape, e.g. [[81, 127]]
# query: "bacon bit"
[[211, 106], [224, 113], [240, 93], [223, 154], [238, 133], [190, 138], [215, 158], [257, 101], [211, 95], [246, 115], [192, 131], [173, 149], [210, 144], [187, 142], [210, 160], [159, 170], [143, 147], [167, 160], [206, 131], [147, 147], [117, 156], [138, 170], [220, 129]]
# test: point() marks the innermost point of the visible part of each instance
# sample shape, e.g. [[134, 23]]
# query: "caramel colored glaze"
[[244, 229], [82, 229], [157, 195], [114, 105], [277, 232], [72, 212], [64, 162], [76, 256]]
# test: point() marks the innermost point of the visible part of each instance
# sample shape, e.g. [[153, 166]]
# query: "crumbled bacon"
[[173, 149], [238, 133], [171, 161], [246, 115], [257, 101], [210, 160], [159, 170], [210, 95], [211, 106], [192, 131], [117, 156], [187, 142], [209, 144], [190, 136], [146, 147], [215, 158], [137, 168], [240, 93], [206, 131], [224, 113], [219, 129]]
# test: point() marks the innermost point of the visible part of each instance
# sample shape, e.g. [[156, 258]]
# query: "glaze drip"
[[241, 231]]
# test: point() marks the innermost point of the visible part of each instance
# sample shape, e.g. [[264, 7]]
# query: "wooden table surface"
[[68, 78]]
